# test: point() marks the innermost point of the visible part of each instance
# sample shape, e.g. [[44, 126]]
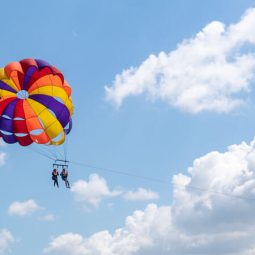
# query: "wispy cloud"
[[28, 208], [6, 239], [2, 143], [23, 208], [2, 158], [49, 217], [211, 213], [213, 71], [141, 194]]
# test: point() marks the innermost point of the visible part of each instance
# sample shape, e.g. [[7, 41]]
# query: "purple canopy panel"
[[9, 109], [6, 124], [28, 75], [9, 138], [41, 63], [5, 86], [60, 110]]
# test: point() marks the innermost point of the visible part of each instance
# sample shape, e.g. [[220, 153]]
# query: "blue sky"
[[138, 125]]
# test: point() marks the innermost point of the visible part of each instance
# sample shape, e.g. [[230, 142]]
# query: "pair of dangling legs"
[[67, 183], [55, 182]]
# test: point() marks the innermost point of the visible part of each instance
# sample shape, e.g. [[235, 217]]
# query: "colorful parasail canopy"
[[35, 103]]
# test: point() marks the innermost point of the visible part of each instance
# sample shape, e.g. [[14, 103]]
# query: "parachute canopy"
[[35, 103]]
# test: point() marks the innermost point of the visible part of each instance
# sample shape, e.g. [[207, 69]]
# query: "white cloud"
[[29, 207], [23, 208], [47, 217], [124, 241], [213, 71], [216, 218], [2, 143], [91, 192], [2, 154], [141, 194], [6, 239], [2, 158]]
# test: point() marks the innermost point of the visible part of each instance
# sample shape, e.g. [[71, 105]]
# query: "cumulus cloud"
[[124, 241], [23, 208], [91, 192], [212, 213], [6, 239], [213, 71], [230, 175], [141, 194]]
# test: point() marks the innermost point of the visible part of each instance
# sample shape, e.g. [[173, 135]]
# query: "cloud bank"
[[213, 71], [217, 218]]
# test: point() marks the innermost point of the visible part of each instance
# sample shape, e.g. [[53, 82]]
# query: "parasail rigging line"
[[120, 172], [164, 181], [41, 153]]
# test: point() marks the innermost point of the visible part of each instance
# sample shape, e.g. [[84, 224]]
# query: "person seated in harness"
[[64, 175], [55, 177]]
